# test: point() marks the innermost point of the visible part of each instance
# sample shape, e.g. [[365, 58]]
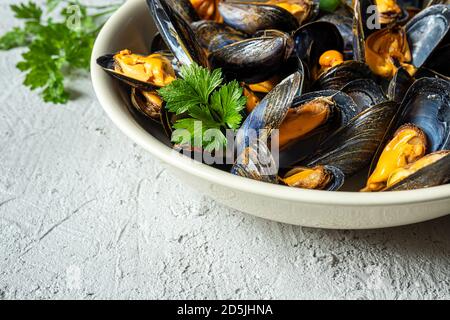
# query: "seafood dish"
[[307, 94]]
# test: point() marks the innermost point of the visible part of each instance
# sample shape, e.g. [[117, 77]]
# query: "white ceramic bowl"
[[132, 27]]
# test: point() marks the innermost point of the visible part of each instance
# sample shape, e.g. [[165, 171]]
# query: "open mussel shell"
[[352, 147], [343, 110], [332, 178], [347, 109], [256, 162], [177, 33], [213, 35], [253, 60], [313, 39], [365, 93], [399, 85], [108, 64], [366, 22], [148, 108], [269, 113], [435, 174], [253, 17], [339, 76], [427, 106], [426, 31]]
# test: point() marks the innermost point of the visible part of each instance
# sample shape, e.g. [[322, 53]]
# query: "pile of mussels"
[[346, 89]]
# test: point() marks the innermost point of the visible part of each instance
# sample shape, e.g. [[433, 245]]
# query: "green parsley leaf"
[[194, 88], [208, 107], [55, 48], [17, 37], [27, 11], [228, 102]]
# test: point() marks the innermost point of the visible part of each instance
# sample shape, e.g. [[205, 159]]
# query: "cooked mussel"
[[423, 127], [256, 162], [431, 170], [427, 105], [317, 178], [389, 11], [149, 103], [253, 139], [387, 49], [252, 17], [311, 119], [352, 147], [252, 60], [407, 146], [138, 71], [270, 112]]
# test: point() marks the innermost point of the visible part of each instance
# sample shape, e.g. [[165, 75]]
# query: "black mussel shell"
[[433, 175], [343, 111], [313, 39], [337, 177], [185, 9], [339, 76], [338, 180], [399, 85], [352, 147], [346, 107], [253, 60], [256, 162], [253, 17], [359, 32], [108, 64], [427, 105], [426, 31], [269, 113], [145, 107], [177, 33], [365, 92], [213, 35]]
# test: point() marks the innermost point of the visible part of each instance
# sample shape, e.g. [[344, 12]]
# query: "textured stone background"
[[85, 213]]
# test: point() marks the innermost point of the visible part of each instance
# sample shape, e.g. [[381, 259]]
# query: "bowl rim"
[[114, 109]]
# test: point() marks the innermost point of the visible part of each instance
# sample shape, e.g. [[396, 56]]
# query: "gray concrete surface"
[[86, 214]]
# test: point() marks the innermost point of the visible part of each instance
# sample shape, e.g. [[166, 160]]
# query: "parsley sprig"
[[206, 106], [55, 48]]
